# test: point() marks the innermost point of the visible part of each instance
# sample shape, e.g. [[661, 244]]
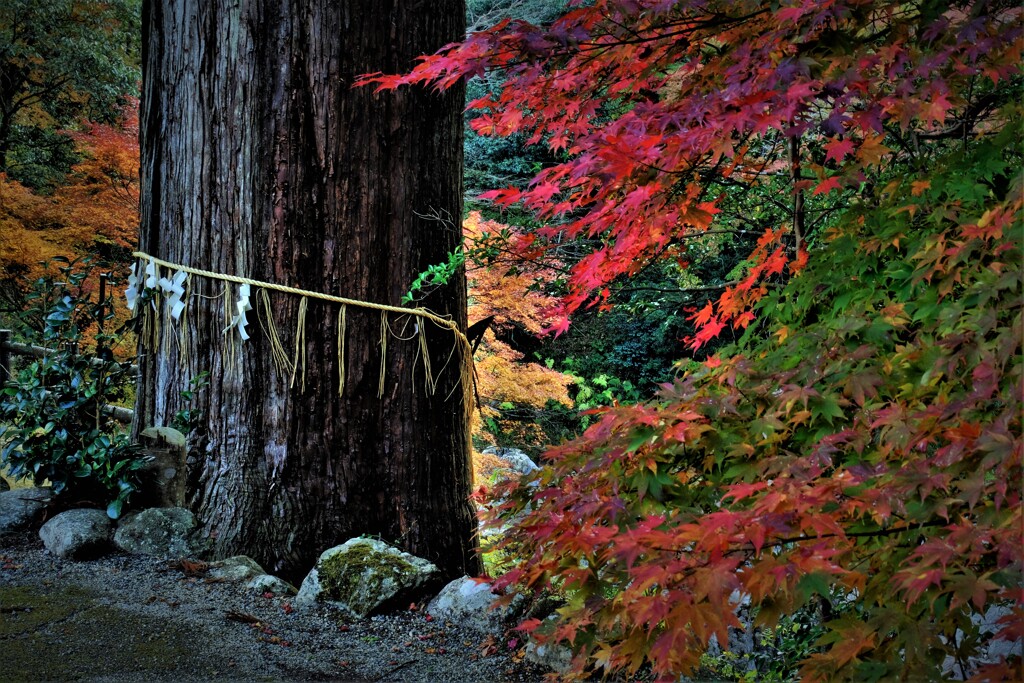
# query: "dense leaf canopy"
[[859, 450], [61, 61]]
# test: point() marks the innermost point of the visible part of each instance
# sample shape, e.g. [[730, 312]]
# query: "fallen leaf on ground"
[[8, 563], [243, 617], [275, 640], [191, 567]]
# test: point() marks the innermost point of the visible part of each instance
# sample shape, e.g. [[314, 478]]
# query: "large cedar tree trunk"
[[260, 159]]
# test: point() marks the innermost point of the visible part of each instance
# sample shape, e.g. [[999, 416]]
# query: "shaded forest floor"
[[131, 618]]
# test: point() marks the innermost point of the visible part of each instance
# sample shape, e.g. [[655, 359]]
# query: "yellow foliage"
[[503, 376], [99, 205], [502, 289], [487, 466], [25, 237]]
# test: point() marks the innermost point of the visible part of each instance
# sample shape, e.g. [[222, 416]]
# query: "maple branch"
[[798, 195], [722, 231], [675, 290], [714, 21], [858, 534], [747, 546], [965, 125], [516, 259]]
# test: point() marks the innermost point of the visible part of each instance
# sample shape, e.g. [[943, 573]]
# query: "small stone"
[[517, 459], [558, 658], [166, 532], [78, 534], [235, 569], [20, 508], [265, 583], [468, 603]]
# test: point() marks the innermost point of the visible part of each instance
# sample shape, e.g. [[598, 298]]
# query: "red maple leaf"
[[827, 185], [706, 333], [704, 315], [837, 149], [776, 262]]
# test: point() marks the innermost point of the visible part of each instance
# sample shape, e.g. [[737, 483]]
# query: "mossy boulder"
[[364, 576], [163, 532]]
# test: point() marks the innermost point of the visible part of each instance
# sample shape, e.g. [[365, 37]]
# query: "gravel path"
[[133, 618]]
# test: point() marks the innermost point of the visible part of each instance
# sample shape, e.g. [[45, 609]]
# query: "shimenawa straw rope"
[[280, 356]]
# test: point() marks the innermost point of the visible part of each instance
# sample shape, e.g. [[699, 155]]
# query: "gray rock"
[[78, 534], [519, 461], [989, 649], [741, 640], [21, 508], [265, 583], [988, 624], [469, 603], [363, 576], [166, 532], [235, 569], [555, 657]]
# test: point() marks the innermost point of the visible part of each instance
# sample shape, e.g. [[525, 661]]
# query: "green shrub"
[[54, 426]]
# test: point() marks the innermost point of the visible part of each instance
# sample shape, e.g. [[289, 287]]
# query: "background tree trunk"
[[260, 159]]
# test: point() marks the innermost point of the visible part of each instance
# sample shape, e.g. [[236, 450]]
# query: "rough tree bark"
[[260, 159]]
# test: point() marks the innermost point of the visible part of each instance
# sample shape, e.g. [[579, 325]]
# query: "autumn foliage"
[[96, 211], [23, 239], [662, 106], [505, 286], [868, 453], [102, 198], [859, 449]]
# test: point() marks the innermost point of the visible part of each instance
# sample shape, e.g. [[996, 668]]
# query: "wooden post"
[[5, 357], [103, 300]]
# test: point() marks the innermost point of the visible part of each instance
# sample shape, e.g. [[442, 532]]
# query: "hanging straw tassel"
[[277, 352], [385, 331], [341, 349], [468, 381], [148, 340], [151, 328], [151, 317], [300, 344], [429, 384], [183, 326], [230, 344]]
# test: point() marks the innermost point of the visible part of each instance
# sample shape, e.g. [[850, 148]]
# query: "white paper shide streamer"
[[152, 279], [174, 289], [243, 306], [132, 293]]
